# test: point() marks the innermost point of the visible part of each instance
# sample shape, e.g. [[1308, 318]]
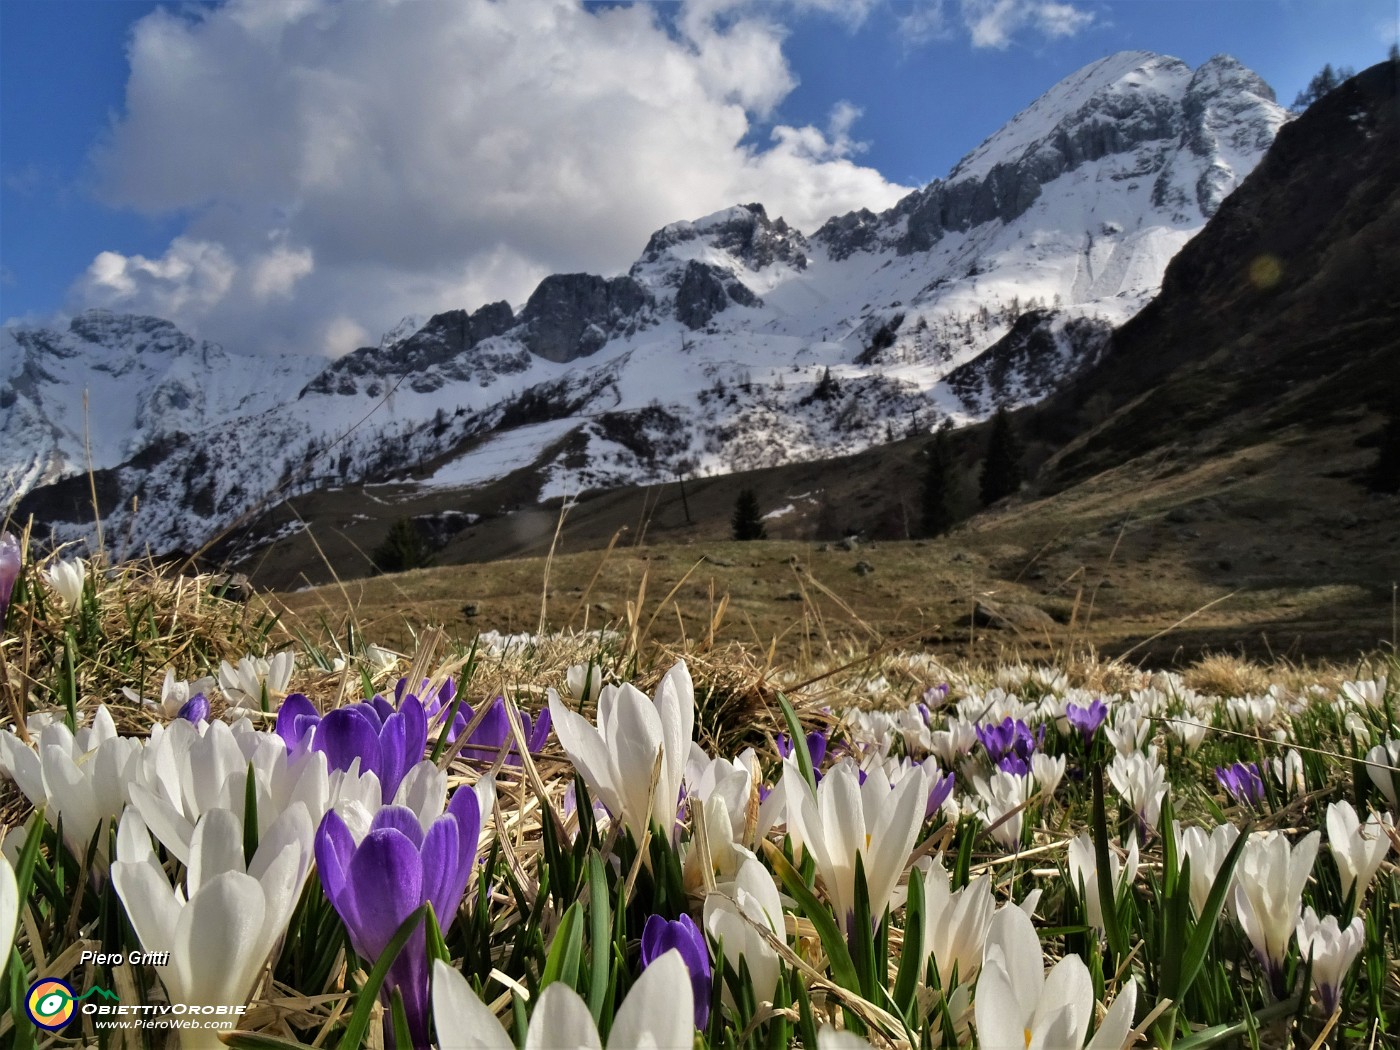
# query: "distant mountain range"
[[734, 342]]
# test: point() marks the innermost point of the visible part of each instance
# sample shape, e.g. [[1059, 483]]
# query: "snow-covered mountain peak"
[[1130, 85], [741, 239]]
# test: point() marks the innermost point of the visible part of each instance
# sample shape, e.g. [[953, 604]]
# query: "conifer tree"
[[938, 486], [1002, 472], [747, 522], [404, 548], [826, 388]]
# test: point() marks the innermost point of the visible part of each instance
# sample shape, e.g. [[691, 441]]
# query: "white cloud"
[[993, 23], [345, 164], [191, 276]]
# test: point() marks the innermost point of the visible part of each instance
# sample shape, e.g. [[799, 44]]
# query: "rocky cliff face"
[[1147, 109], [572, 315], [992, 286], [442, 338]]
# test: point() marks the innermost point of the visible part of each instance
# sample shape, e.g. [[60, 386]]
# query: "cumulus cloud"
[[345, 164]]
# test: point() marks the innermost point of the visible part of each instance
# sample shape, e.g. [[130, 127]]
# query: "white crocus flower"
[[1000, 794], [1332, 950], [617, 757], [1207, 853], [729, 783], [80, 777], [1269, 892], [245, 685], [1019, 1005], [1190, 728], [1141, 782], [876, 821], [659, 1012], [225, 922], [1383, 766], [954, 741], [1084, 873], [66, 576], [1358, 849], [734, 914], [174, 694], [1130, 729], [955, 925], [9, 910], [1365, 694], [1048, 771], [1288, 771], [584, 681]]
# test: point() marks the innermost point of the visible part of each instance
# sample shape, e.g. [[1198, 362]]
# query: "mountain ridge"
[[702, 358]]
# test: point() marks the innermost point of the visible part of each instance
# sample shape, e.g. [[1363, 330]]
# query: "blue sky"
[[298, 174]]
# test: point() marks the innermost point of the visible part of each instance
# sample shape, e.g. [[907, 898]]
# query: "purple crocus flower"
[[376, 884], [9, 569], [1242, 782], [816, 746], [938, 794], [295, 718], [195, 709], [1087, 719], [387, 742], [493, 732], [1009, 745], [934, 695], [436, 703], [660, 935]]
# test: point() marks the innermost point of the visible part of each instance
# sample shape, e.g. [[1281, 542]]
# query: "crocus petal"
[[295, 717], [346, 734], [635, 742], [659, 1011], [384, 884], [9, 910], [1012, 942], [1113, 1032], [401, 819], [335, 846], [149, 902], [586, 750], [223, 921], [562, 1019], [217, 847], [1000, 1014], [465, 809], [21, 764], [441, 863], [1069, 992], [463, 1021]]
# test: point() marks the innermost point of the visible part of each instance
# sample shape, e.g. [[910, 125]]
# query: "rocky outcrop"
[[444, 337], [1042, 351], [744, 232], [572, 315], [706, 290], [1228, 111]]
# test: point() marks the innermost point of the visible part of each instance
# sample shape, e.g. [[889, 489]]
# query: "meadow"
[[293, 822]]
